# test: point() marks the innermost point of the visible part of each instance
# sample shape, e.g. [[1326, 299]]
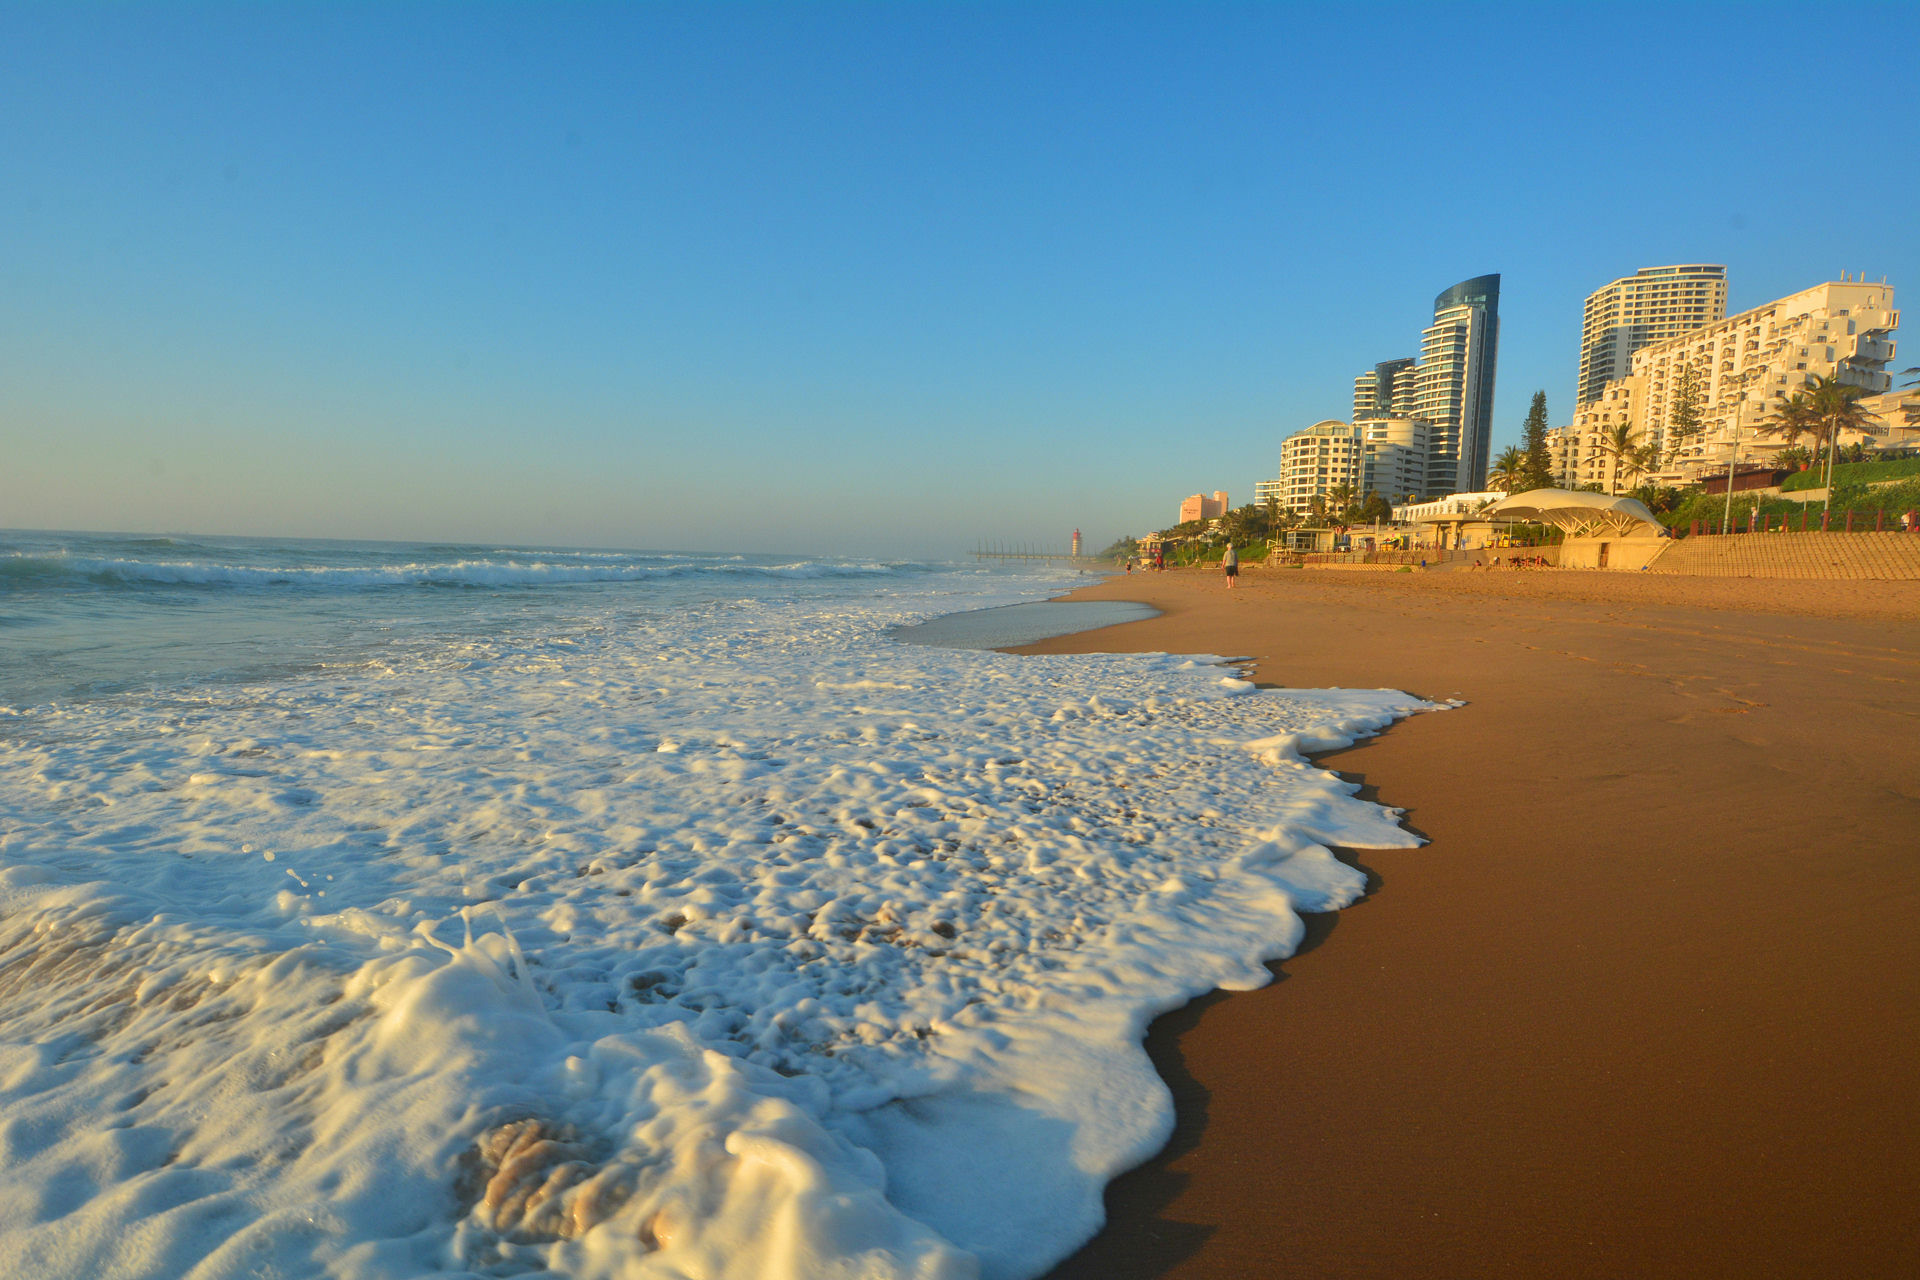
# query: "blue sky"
[[853, 277]]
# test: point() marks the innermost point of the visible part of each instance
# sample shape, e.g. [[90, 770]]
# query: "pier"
[[996, 550], [989, 550]]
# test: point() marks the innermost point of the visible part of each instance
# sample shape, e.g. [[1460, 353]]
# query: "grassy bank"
[[1849, 494], [1852, 473]]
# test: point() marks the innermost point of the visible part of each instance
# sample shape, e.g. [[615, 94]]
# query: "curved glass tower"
[[1456, 369]]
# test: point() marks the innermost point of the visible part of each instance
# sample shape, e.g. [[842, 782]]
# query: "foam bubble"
[[722, 942]]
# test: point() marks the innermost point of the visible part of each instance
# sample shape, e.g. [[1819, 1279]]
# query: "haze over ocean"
[[849, 279]]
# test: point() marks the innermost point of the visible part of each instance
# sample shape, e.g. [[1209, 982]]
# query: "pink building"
[[1201, 507]]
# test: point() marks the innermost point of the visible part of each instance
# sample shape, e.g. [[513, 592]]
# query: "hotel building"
[[1652, 305], [1580, 451], [1896, 416], [1563, 451], [1741, 366], [1201, 507]]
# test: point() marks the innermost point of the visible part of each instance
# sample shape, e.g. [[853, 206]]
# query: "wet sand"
[[1647, 1004]]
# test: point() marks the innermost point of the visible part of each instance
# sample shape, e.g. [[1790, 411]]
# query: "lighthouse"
[[1076, 544]]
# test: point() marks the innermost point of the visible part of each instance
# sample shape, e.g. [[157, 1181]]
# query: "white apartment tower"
[[1741, 367], [1395, 453], [1587, 455], [1651, 306], [1745, 363], [1315, 461], [1563, 450]]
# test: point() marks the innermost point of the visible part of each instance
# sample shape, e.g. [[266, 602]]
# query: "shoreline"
[[1643, 1005], [1008, 626]]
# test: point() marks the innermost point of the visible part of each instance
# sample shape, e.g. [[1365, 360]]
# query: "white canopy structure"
[[1578, 515]]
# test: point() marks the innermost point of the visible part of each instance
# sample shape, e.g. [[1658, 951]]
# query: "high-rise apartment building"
[[1386, 391], [1450, 387], [1395, 456], [1316, 461], [1597, 448], [1650, 306], [1563, 456], [1455, 383], [1739, 368], [1743, 364], [1387, 456]]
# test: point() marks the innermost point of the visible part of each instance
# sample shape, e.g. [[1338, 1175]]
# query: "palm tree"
[[1644, 461], [1791, 418], [1835, 407], [1621, 443], [1509, 469]]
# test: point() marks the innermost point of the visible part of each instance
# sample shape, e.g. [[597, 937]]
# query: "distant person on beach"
[[1160, 559], [1230, 565]]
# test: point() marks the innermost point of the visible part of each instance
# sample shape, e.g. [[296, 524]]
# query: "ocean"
[[376, 909]]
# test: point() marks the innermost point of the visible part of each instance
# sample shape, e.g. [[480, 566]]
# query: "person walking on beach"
[[1230, 564]]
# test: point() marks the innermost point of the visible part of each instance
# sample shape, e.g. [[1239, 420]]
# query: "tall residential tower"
[[1740, 367], [1455, 384], [1450, 388], [1386, 390], [1650, 306]]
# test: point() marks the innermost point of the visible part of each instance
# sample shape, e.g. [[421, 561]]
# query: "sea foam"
[[735, 940], [59, 568]]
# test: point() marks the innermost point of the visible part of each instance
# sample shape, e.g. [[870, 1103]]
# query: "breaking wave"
[[23, 572]]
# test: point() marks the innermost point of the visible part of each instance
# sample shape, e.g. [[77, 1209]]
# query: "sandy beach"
[[1647, 1004]]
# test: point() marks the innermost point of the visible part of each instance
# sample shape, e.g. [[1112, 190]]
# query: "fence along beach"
[[1645, 1004]]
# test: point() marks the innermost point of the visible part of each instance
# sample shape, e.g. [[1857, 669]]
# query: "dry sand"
[[1647, 1005]]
